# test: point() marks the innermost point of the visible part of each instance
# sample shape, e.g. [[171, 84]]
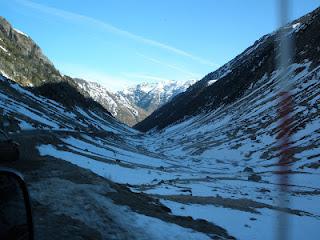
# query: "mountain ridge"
[[236, 76]]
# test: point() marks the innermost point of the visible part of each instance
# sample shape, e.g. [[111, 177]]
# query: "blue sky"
[[124, 42]]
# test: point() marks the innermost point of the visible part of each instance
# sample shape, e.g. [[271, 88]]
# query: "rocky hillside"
[[22, 60], [238, 77]]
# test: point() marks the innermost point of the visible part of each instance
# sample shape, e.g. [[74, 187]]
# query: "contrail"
[[110, 28], [172, 66]]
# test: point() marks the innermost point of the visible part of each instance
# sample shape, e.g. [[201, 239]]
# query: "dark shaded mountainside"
[[240, 74]]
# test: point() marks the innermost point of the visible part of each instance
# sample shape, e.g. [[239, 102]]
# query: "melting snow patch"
[[113, 172], [245, 225], [3, 74], [296, 25], [210, 82], [4, 49], [113, 152], [158, 229], [20, 32]]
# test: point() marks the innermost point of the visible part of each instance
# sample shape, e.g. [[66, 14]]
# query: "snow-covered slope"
[[150, 96], [235, 78], [238, 142], [94, 140], [28, 111]]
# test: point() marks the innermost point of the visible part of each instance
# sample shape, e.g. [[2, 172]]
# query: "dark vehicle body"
[[9, 149]]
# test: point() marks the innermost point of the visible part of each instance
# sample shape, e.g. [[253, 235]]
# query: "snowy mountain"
[[133, 104], [150, 96], [208, 168], [120, 107]]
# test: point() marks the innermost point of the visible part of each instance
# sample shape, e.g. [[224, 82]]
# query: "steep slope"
[[22, 60], [26, 110], [236, 77], [236, 142], [233, 152], [150, 96]]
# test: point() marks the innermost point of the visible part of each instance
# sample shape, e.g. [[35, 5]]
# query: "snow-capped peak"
[[150, 96]]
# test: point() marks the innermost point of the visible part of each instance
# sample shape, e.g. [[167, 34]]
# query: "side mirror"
[[15, 209]]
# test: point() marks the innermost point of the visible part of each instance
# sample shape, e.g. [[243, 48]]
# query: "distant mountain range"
[[133, 104], [150, 96]]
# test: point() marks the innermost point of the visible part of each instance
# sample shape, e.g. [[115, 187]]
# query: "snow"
[[240, 225], [296, 25], [115, 153], [4, 49], [20, 32], [160, 92], [25, 125], [27, 112], [210, 82], [110, 171], [158, 229], [4, 74]]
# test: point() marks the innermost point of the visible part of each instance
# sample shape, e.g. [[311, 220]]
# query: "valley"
[[204, 165]]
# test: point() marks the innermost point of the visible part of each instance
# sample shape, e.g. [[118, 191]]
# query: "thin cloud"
[[172, 66], [110, 28], [145, 77]]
